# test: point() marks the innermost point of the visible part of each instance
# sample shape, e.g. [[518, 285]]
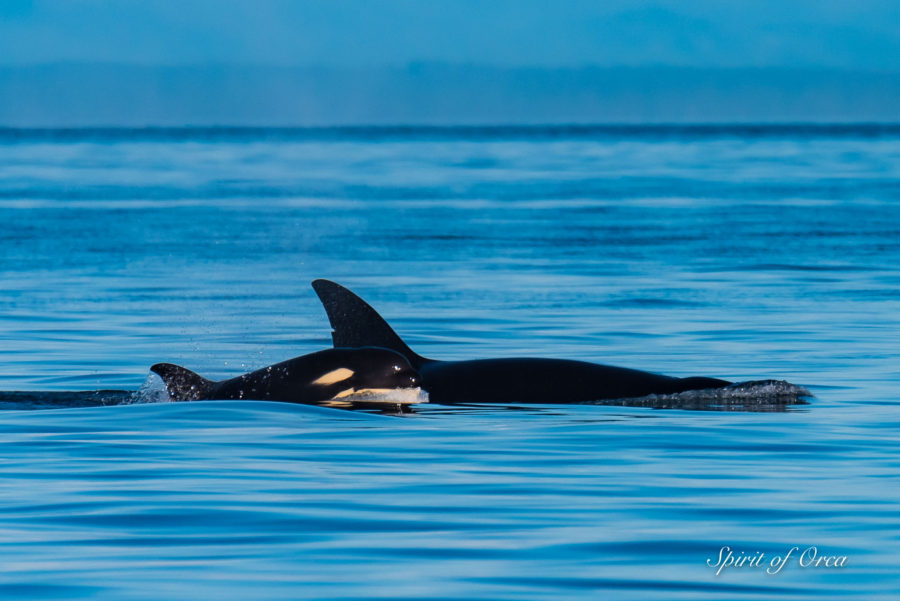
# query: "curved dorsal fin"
[[181, 383], [355, 323]]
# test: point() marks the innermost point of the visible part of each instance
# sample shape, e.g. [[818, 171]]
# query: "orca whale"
[[338, 376], [508, 380]]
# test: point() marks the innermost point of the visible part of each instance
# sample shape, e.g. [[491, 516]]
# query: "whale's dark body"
[[507, 380], [338, 373]]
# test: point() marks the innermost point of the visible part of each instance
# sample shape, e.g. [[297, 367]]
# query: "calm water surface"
[[742, 253]]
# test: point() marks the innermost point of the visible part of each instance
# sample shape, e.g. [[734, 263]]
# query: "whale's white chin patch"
[[388, 396]]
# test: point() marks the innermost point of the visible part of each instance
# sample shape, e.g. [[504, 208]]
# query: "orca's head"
[[367, 374]]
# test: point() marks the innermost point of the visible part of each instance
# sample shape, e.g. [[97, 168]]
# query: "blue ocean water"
[[744, 253]]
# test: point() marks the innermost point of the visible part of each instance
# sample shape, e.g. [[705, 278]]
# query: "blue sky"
[[762, 33], [337, 62]]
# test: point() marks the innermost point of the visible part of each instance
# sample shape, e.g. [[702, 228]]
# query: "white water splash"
[[153, 390]]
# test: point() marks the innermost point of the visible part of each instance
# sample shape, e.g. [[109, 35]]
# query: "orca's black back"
[[545, 381]]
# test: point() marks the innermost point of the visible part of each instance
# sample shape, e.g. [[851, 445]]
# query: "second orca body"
[[533, 380], [507, 380]]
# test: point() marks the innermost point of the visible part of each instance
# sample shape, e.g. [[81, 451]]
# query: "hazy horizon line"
[[447, 65], [440, 94], [561, 129]]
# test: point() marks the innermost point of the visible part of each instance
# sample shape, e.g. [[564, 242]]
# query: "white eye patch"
[[338, 375]]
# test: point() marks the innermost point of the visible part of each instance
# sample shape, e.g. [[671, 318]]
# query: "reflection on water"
[[744, 254]]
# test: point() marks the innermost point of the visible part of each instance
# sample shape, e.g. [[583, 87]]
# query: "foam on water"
[[153, 390]]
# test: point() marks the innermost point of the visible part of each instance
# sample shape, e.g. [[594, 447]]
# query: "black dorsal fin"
[[355, 323], [183, 384]]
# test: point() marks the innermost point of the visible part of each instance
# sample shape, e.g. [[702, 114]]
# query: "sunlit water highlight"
[[734, 253]]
